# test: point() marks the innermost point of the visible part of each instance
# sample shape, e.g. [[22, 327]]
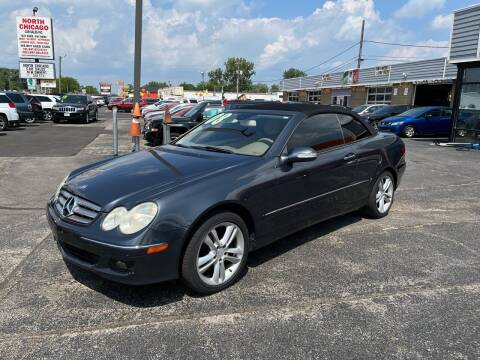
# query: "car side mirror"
[[299, 154], [428, 116]]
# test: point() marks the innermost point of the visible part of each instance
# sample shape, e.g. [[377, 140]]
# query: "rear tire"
[[3, 122], [381, 196], [30, 120], [409, 131], [212, 263], [47, 115]]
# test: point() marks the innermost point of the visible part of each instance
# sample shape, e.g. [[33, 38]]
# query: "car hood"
[[70, 104], [145, 174]]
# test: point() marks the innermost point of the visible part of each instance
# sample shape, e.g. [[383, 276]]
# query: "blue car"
[[427, 120]]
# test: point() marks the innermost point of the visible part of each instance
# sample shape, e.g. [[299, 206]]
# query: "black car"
[[195, 208], [181, 124], [24, 108], [75, 107], [385, 112]]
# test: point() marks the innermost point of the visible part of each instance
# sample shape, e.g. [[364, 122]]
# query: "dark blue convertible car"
[[195, 208]]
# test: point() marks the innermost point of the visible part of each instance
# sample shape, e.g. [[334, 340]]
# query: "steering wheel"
[[266, 140]]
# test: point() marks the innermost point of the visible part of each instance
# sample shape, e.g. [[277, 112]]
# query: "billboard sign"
[[105, 89], [51, 84], [37, 70], [34, 37]]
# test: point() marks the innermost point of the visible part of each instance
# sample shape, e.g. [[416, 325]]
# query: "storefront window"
[[314, 96], [293, 96], [468, 120], [380, 95]]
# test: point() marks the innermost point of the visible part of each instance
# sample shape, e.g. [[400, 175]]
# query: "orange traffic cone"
[[135, 125]]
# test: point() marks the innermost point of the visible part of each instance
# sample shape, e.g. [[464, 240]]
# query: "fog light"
[[121, 265]]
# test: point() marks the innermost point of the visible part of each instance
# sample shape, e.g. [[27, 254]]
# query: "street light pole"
[[137, 61], [60, 72]]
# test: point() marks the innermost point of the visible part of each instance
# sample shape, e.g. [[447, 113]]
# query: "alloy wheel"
[[220, 253], [47, 115], [30, 120], [384, 196], [409, 131]]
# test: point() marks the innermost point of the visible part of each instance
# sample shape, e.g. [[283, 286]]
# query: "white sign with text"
[[34, 37]]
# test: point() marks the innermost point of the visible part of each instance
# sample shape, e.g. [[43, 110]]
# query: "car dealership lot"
[[405, 286]]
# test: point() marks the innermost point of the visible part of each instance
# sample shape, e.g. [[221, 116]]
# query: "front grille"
[[79, 210], [67, 109], [83, 255]]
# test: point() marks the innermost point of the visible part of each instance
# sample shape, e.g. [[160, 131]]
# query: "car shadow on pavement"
[[141, 296], [297, 239], [146, 296]]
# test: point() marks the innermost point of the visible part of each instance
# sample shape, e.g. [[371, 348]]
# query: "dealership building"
[[425, 82], [465, 54]]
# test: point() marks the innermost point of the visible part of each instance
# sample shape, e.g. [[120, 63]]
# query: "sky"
[[182, 38]]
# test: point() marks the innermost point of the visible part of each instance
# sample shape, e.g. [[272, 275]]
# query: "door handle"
[[350, 157]]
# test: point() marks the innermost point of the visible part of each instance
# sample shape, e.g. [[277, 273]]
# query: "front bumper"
[[78, 115], [102, 259], [395, 129]]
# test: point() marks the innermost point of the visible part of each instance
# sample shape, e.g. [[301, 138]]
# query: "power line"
[[407, 45], [330, 59], [396, 57]]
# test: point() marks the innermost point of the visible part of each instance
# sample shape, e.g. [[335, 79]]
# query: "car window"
[[74, 99], [239, 132], [4, 99], [16, 98], [319, 132], [352, 128], [435, 112], [43, 99], [446, 112]]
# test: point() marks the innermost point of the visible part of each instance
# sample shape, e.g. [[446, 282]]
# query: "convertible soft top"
[[306, 108]]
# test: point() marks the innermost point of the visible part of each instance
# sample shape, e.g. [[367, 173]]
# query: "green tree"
[[157, 84], [89, 89], [69, 84], [187, 86], [241, 68], [10, 80], [293, 73], [215, 78], [204, 86], [274, 88], [259, 88]]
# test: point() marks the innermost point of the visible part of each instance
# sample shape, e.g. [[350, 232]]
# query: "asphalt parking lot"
[[406, 286]]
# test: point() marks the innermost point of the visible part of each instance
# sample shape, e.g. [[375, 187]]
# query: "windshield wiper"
[[212, 148]]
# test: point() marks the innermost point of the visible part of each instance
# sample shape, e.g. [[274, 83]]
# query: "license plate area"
[[66, 114]]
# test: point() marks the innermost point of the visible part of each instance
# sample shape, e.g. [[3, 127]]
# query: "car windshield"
[[74, 99], [193, 110], [360, 108], [384, 110], [236, 132], [414, 112]]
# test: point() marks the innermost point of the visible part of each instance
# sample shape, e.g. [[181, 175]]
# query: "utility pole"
[[203, 84], [239, 72], [137, 61], [60, 72], [359, 60]]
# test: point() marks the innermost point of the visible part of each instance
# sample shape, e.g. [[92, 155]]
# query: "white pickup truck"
[[8, 113]]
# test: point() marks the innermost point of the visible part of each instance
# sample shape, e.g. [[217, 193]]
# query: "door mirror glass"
[[299, 154]]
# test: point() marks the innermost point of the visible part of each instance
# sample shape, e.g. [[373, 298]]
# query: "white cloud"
[[419, 8], [79, 40], [442, 22]]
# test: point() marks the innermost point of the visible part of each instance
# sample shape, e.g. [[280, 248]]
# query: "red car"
[[126, 104]]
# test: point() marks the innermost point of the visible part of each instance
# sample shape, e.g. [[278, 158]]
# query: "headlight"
[[396, 123], [130, 221], [113, 219], [60, 188]]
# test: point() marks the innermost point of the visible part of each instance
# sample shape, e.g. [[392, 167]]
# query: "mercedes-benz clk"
[[195, 208]]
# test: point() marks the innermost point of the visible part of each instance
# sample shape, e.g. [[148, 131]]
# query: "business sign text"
[[34, 37], [37, 70]]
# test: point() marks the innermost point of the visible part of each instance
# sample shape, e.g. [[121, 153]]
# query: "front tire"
[[381, 196], [47, 115], [409, 131], [30, 120], [216, 254], [87, 118]]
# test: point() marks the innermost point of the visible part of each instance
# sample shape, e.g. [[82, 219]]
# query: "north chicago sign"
[[31, 70], [34, 37]]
